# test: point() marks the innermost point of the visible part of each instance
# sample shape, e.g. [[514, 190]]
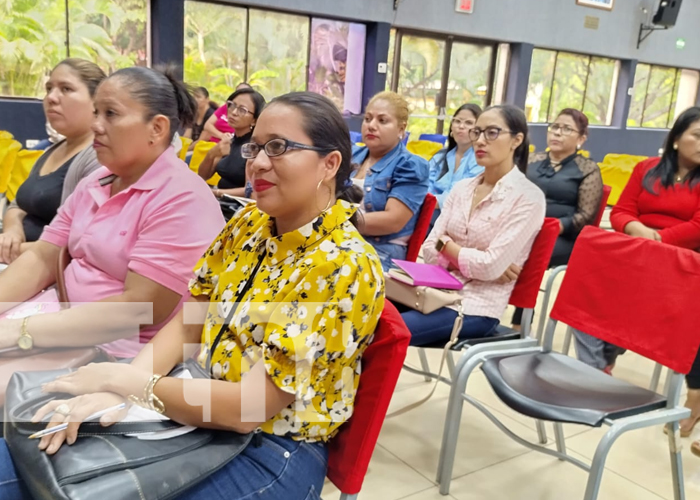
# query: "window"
[[660, 95], [437, 75], [215, 40], [33, 38], [560, 80], [276, 53]]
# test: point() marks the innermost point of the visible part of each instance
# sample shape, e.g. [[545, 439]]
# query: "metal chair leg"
[[545, 302], [595, 475], [655, 377], [559, 437], [425, 366], [567, 340], [676, 461], [450, 365], [345, 496], [541, 432]]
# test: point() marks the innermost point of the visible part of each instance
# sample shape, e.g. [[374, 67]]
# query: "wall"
[[601, 140], [543, 23], [24, 118]]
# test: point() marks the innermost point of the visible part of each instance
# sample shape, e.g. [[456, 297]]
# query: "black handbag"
[[104, 463]]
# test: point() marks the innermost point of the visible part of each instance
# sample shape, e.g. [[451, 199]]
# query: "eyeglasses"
[[562, 129], [276, 147], [463, 123], [239, 110], [490, 133]]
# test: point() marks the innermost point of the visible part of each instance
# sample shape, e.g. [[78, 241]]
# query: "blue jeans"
[[388, 251], [278, 468], [437, 326]]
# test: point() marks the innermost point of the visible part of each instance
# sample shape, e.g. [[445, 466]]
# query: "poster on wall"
[[599, 4], [336, 62]]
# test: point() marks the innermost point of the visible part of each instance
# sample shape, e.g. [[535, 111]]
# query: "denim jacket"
[[441, 186], [399, 174]]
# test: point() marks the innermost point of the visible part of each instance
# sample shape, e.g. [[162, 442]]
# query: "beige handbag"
[[426, 300], [421, 298]]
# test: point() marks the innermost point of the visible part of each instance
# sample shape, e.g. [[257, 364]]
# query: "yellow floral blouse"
[[310, 312]]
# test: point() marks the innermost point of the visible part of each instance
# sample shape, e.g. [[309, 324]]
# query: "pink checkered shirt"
[[499, 233]]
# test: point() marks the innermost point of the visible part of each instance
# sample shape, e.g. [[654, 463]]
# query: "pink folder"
[[418, 274]]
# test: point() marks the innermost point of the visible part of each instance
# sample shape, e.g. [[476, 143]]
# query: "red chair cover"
[[635, 293], [351, 449]]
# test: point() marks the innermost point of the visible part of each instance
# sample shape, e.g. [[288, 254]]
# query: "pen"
[[64, 426]]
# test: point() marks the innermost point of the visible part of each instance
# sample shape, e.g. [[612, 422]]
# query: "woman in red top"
[[661, 202]]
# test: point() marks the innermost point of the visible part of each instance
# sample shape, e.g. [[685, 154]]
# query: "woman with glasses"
[[244, 108], [457, 161], [485, 230], [571, 183], [311, 292], [394, 181]]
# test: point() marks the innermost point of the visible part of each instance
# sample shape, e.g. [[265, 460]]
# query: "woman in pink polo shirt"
[[134, 228]]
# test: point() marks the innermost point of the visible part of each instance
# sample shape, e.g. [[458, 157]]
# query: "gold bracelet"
[[149, 400]]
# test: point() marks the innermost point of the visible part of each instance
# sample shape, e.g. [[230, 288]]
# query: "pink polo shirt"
[[158, 228]]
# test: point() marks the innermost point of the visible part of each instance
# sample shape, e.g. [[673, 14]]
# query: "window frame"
[[449, 40], [590, 58], [670, 115]]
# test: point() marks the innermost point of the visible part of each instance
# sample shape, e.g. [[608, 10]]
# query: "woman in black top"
[[205, 108], [244, 107], [69, 110], [571, 183]]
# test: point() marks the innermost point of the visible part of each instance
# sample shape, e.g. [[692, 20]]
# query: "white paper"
[[139, 414]]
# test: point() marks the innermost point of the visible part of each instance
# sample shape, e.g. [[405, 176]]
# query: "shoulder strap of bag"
[[454, 336]]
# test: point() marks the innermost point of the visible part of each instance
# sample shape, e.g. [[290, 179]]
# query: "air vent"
[[591, 22]]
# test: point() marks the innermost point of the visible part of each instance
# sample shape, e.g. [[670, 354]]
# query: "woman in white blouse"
[[485, 230]]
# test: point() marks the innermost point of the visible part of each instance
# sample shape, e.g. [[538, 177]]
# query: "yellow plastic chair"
[[23, 165], [532, 148], [4, 134], [424, 149], [584, 153], [200, 151], [185, 146], [8, 155]]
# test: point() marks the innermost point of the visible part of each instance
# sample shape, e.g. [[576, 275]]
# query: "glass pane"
[[278, 48], [214, 47], [336, 63], [390, 59], [469, 75], [687, 91], [32, 42], [658, 102], [600, 90], [112, 33], [420, 81], [569, 83], [641, 80], [539, 87]]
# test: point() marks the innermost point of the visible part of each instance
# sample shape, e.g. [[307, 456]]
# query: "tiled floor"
[[491, 466]]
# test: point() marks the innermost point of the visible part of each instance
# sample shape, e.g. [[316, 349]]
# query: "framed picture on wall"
[[598, 4]]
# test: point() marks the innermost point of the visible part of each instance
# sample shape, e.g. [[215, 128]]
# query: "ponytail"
[[161, 93]]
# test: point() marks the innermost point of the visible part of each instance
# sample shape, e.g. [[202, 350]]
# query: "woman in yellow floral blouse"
[[301, 293]]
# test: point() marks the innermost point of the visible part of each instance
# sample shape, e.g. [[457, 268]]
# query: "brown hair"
[[88, 72], [398, 103], [579, 119]]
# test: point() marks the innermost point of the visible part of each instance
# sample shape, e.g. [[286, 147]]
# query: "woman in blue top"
[[394, 181], [457, 161]]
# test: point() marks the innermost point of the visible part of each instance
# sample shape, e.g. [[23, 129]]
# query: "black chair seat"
[[501, 333], [557, 388]]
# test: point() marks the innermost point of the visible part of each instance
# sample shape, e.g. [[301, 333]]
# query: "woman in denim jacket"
[[394, 182]]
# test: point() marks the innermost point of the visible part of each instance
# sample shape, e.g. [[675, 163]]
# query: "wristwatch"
[[441, 242], [25, 341]]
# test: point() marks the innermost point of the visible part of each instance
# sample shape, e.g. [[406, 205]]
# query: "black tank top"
[[40, 196]]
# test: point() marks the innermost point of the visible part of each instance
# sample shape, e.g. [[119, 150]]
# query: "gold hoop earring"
[[330, 197]]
